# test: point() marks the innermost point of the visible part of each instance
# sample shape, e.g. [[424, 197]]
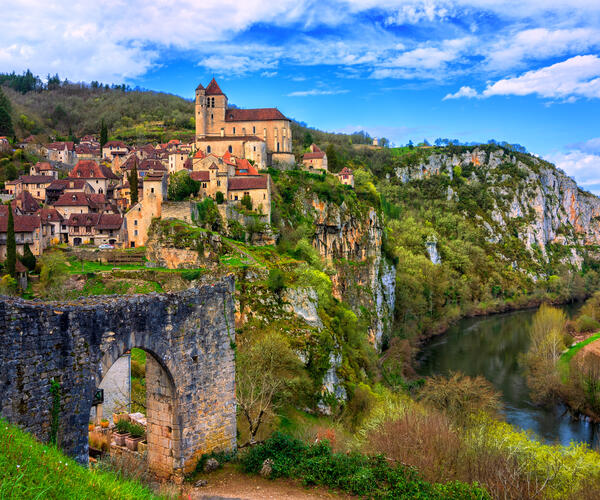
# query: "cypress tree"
[[11, 244], [6, 126], [103, 135], [133, 185], [28, 259]]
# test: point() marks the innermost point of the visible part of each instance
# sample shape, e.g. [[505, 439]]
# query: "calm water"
[[490, 346]]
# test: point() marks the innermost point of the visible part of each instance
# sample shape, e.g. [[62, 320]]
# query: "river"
[[490, 346]]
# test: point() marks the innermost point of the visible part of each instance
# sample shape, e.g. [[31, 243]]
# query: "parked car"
[[106, 246]]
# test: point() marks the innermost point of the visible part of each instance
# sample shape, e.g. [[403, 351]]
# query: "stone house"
[[35, 184], [177, 161], [78, 202], [112, 149], [94, 229], [258, 187], [241, 131], [63, 152], [139, 217], [59, 186], [57, 225], [44, 168], [29, 230], [346, 176], [98, 176], [315, 159], [4, 144], [25, 203]]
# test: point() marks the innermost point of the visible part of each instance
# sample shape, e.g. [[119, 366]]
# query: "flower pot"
[[142, 447], [91, 427], [104, 424], [132, 442], [120, 438], [95, 453]]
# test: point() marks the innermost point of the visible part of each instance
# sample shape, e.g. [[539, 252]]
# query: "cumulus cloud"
[[465, 91], [576, 77], [589, 146], [583, 167]]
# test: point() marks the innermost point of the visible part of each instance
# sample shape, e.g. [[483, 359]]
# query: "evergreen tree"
[[333, 164], [103, 135], [6, 126], [11, 244], [28, 259], [308, 140], [133, 185]]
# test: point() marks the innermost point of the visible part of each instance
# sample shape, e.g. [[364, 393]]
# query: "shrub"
[[8, 285], [122, 426], [219, 197], [276, 281], [182, 186], [247, 201], [587, 324], [136, 430], [191, 274]]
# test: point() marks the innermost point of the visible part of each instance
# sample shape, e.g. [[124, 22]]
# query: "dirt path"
[[228, 483]]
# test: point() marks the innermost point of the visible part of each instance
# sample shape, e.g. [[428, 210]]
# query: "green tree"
[[6, 126], [54, 272], [219, 197], [28, 259], [247, 201], [133, 185], [308, 139], [103, 134], [182, 186], [11, 244], [333, 164]]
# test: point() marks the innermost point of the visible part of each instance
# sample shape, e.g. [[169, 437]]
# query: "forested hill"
[[57, 109]]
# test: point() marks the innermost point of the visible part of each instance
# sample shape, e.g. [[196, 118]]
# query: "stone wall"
[[182, 210], [187, 333]]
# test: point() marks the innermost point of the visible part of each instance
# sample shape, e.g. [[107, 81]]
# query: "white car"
[[106, 246]]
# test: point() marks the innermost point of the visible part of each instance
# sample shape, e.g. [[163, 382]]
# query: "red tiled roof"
[[62, 184], [213, 166], [89, 169], [312, 156], [174, 141], [201, 176], [244, 167], [199, 87], [36, 179], [259, 114], [213, 88], [247, 182], [199, 154], [26, 202], [83, 219], [345, 171], [231, 138], [86, 149], [116, 144], [43, 166], [154, 176], [59, 146], [23, 223], [81, 199], [110, 221], [50, 215]]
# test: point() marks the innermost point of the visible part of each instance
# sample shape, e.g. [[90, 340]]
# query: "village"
[[106, 195]]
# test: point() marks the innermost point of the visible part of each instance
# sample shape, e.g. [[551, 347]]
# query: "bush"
[[276, 281], [182, 186], [219, 197], [353, 473], [247, 201], [208, 215], [191, 274], [587, 324]]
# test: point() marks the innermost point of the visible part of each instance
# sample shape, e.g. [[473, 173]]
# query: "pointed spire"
[[213, 88]]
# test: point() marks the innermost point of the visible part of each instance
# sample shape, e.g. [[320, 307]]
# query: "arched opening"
[[137, 418]]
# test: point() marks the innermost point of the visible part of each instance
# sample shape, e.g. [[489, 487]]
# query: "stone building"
[[315, 159], [29, 230], [346, 177], [98, 176], [264, 132], [139, 217], [43, 168], [257, 187], [63, 152], [35, 184]]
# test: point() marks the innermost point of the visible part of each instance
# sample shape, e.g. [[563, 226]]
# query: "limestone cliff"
[[543, 204], [350, 240]]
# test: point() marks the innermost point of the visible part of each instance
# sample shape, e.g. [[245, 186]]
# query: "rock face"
[[190, 368], [549, 205], [351, 242]]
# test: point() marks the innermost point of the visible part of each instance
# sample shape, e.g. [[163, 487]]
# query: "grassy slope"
[[29, 469], [565, 359]]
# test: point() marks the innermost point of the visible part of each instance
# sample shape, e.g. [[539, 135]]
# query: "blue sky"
[[520, 71]]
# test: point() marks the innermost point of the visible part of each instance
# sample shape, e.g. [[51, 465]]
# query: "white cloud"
[[578, 76], [313, 92], [465, 91], [583, 167], [235, 65]]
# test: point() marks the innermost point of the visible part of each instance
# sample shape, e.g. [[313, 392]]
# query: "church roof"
[[199, 87], [248, 115], [213, 88]]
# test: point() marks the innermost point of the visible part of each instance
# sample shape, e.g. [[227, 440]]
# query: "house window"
[[236, 197], [152, 190], [218, 183], [135, 222], [233, 130], [254, 130], [278, 147], [230, 149], [264, 196], [208, 149], [135, 233], [212, 117]]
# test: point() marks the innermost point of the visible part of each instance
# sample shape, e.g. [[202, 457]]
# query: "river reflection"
[[490, 346]]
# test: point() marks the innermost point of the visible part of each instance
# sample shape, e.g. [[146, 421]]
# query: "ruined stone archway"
[[188, 334]]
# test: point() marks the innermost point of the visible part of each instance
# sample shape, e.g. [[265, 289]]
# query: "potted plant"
[[104, 423], [121, 432], [136, 434]]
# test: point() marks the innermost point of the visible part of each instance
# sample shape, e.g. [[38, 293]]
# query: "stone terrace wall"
[[188, 333], [182, 210]]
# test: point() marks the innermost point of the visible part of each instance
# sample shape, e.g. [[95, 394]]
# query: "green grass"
[[138, 355], [565, 360], [31, 470]]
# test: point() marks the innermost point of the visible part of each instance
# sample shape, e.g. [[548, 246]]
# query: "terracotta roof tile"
[[201, 176], [259, 114], [213, 88], [247, 182], [89, 169]]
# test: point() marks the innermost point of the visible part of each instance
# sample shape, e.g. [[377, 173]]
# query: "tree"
[[54, 272], [247, 201], [11, 244], [332, 158], [133, 185], [268, 373], [103, 134], [182, 186], [28, 259], [308, 140], [6, 126], [219, 197]]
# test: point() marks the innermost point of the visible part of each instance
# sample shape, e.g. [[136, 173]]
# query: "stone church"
[[263, 135]]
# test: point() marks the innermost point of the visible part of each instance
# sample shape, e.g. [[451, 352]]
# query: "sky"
[[520, 71]]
